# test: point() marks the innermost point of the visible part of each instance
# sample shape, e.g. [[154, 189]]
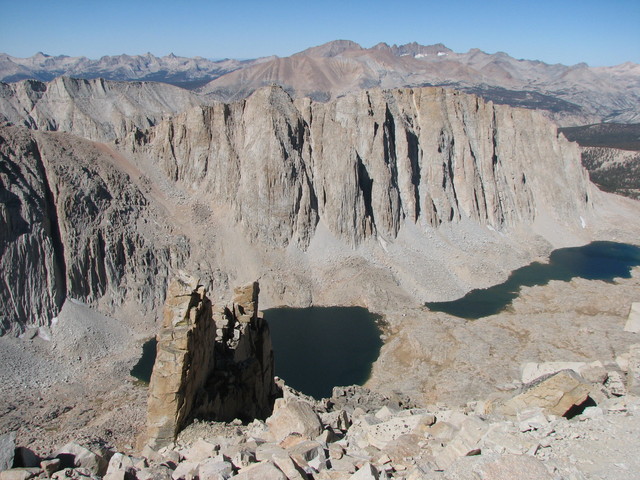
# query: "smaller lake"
[[142, 370], [318, 348], [595, 261]]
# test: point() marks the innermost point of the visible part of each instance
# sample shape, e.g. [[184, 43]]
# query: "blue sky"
[[560, 31]]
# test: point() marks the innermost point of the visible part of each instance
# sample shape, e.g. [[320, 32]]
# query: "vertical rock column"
[[184, 359], [241, 385], [213, 362]]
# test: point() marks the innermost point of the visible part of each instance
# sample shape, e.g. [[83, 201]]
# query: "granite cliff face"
[[74, 224], [369, 163], [374, 199]]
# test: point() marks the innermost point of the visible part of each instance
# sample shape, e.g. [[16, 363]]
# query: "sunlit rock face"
[[367, 163], [213, 362]]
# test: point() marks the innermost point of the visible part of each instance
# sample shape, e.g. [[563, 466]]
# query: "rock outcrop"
[[212, 362], [470, 189]]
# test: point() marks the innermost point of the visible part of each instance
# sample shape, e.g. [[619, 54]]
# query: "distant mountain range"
[[181, 71], [571, 95]]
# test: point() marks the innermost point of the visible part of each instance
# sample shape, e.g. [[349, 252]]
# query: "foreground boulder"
[[293, 417], [556, 394], [74, 455], [7, 450]]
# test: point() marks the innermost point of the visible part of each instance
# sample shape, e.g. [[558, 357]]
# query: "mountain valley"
[[381, 177]]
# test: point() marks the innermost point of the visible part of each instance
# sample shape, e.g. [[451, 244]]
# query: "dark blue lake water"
[[319, 348], [595, 261]]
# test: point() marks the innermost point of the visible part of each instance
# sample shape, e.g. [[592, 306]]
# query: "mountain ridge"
[[570, 95], [306, 196], [187, 72]]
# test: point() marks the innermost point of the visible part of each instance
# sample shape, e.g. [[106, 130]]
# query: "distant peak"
[[418, 50], [381, 46], [331, 49], [579, 66]]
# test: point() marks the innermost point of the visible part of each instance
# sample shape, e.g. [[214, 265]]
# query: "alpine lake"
[[318, 348]]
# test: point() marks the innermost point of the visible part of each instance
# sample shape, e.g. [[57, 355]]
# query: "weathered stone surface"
[[154, 473], [268, 450], [379, 435], [366, 472], [285, 463], [241, 455], [50, 466], [24, 473], [200, 451], [372, 125], [593, 372], [466, 442], [293, 416], [307, 454], [77, 226], [201, 373], [261, 471], [379, 168], [615, 384], [337, 420], [408, 445], [556, 394], [443, 431], [75, 455], [118, 475], [121, 466], [633, 321], [215, 469], [78, 473], [500, 438], [532, 419], [633, 370], [80, 106], [185, 471], [184, 360], [491, 467], [7, 450]]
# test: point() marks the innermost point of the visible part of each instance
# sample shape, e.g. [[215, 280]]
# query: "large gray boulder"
[[7, 450]]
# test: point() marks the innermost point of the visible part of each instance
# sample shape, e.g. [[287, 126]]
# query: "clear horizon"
[[567, 32]]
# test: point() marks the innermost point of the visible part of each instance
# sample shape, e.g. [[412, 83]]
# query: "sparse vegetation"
[[611, 135], [614, 170]]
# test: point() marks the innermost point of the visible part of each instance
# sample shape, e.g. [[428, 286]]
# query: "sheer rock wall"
[[74, 224], [366, 163]]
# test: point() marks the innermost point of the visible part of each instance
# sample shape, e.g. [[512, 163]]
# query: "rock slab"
[[633, 321]]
